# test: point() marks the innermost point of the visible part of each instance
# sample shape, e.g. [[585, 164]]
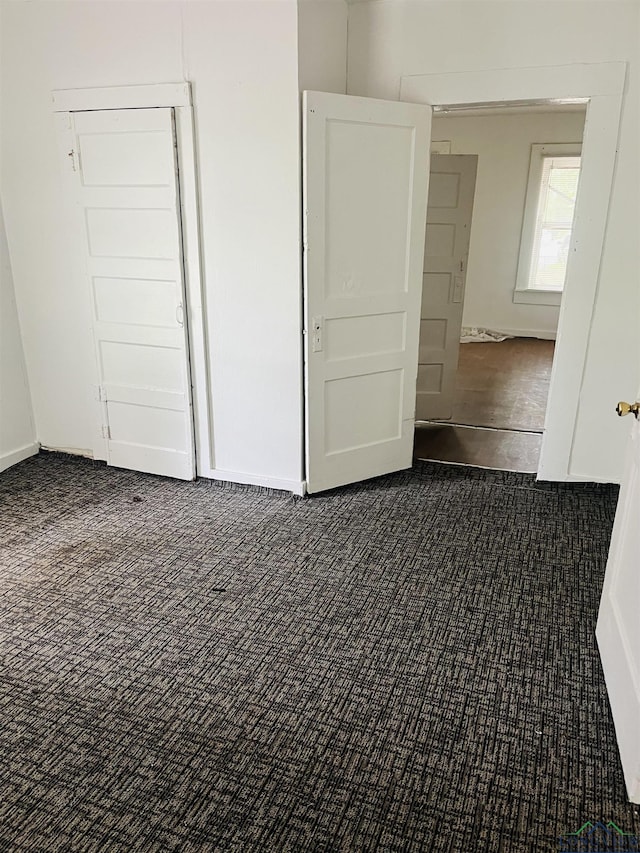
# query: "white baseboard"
[[15, 456], [298, 487], [545, 477], [70, 451], [529, 333], [592, 478]]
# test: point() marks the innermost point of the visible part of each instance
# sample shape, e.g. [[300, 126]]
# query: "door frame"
[[178, 97], [601, 85]]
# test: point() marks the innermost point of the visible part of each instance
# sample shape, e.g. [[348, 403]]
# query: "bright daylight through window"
[[557, 201], [548, 219]]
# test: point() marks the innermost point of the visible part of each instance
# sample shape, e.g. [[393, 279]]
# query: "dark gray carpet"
[[403, 665]]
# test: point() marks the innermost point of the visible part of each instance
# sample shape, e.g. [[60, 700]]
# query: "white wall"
[[17, 435], [390, 39], [503, 145], [322, 45], [241, 58]]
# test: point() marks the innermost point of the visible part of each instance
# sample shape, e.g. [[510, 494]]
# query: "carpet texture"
[[407, 664]]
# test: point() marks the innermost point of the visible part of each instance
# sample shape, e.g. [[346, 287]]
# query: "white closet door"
[[366, 168], [128, 189]]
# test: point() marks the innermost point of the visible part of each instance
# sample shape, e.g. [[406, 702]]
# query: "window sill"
[[537, 297]]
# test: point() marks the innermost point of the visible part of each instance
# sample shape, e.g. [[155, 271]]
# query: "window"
[[547, 224]]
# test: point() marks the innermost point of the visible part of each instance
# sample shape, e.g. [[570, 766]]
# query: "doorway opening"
[[502, 195]]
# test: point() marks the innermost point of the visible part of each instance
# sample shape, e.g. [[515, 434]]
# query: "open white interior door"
[[452, 185], [127, 189], [366, 167], [618, 630]]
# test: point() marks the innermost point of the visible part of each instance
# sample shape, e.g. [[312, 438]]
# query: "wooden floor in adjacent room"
[[499, 407]]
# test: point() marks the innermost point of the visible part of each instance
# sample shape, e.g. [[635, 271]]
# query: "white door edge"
[[624, 695], [618, 627]]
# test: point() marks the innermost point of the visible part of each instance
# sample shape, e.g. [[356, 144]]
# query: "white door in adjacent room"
[[128, 191], [451, 189], [618, 629], [366, 167]]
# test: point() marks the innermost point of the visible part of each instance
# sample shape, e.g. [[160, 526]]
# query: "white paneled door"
[[127, 185], [451, 189], [618, 629], [366, 167]]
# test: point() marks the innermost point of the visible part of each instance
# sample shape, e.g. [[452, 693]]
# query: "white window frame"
[[523, 292]]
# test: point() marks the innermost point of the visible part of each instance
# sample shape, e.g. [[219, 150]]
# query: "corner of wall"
[[17, 431]]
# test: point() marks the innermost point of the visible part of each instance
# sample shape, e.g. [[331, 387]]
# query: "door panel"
[[122, 233], [451, 189], [348, 337], [365, 190], [128, 191], [366, 241], [134, 301], [618, 629]]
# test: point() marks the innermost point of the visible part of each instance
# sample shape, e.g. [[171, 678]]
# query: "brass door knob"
[[627, 408]]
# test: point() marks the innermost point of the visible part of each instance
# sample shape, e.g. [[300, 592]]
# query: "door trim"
[[122, 97], [602, 84], [177, 96]]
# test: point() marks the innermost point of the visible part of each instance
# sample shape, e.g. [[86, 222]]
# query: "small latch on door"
[[316, 334], [180, 315]]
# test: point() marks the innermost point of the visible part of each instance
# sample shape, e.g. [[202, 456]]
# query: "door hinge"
[[106, 432]]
